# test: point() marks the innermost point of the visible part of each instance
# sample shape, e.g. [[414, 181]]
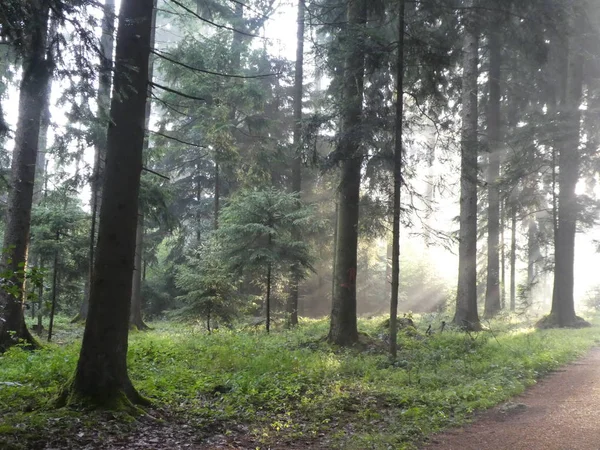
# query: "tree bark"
[[335, 235], [563, 305], [466, 315], [343, 326], [268, 298], [513, 259], [36, 72], [217, 196], [103, 98], [292, 303], [101, 377], [533, 257], [502, 255], [54, 288], [397, 183], [135, 319], [492, 296]]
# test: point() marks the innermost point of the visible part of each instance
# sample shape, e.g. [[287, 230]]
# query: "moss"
[[552, 321], [118, 402]]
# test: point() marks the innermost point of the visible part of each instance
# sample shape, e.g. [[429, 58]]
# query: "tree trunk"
[[292, 303], [36, 72], [502, 256], [466, 315], [101, 376], [335, 235], [198, 205], [54, 288], [136, 320], [343, 327], [563, 305], [513, 259], [397, 183], [103, 98], [268, 299], [217, 195], [492, 295], [39, 187], [40, 301], [533, 257]]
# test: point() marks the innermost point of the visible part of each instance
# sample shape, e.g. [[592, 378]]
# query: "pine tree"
[[466, 298], [101, 376], [31, 41], [343, 327]]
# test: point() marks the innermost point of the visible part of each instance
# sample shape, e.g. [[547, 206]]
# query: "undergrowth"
[[291, 384]]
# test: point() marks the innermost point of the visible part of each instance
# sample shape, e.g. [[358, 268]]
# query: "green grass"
[[292, 384]]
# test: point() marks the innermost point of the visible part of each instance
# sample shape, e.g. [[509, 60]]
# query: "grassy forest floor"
[[289, 389]]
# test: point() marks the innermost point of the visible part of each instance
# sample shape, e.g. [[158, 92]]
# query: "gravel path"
[[561, 412]]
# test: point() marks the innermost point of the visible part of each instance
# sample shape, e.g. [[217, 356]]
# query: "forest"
[[291, 223]]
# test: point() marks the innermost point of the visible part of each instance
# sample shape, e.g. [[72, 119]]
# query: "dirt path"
[[561, 412]]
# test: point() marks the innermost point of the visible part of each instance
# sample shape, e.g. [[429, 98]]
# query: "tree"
[[209, 290], [136, 320], [292, 304], [563, 305], [492, 294], [103, 98], [31, 42], [343, 327], [261, 233], [101, 376], [397, 182], [466, 315]]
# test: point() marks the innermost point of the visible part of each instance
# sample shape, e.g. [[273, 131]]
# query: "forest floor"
[[247, 390], [562, 412]]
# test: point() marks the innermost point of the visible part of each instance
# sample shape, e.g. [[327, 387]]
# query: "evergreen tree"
[[101, 376], [466, 298], [261, 234], [343, 328], [28, 35]]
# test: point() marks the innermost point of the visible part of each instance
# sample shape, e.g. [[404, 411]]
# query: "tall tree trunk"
[[135, 318], [40, 302], [492, 295], [103, 98], [40, 164], [335, 235], [502, 255], [533, 257], [54, 288], [466, 315], [36, 72], [217, 195], [397, 182], [343, 327], [513, 258], [292, 303], [101, 376], [198, 205], [268, 299], [563, 305]]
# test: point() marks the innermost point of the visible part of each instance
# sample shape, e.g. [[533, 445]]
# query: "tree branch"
[[173, 138], [210, 72], [210, 22], [173, 91]]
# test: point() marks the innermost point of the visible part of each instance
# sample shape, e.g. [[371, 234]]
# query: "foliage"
[[291, 385], [262, 228], [60, 226], [210, 292]]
